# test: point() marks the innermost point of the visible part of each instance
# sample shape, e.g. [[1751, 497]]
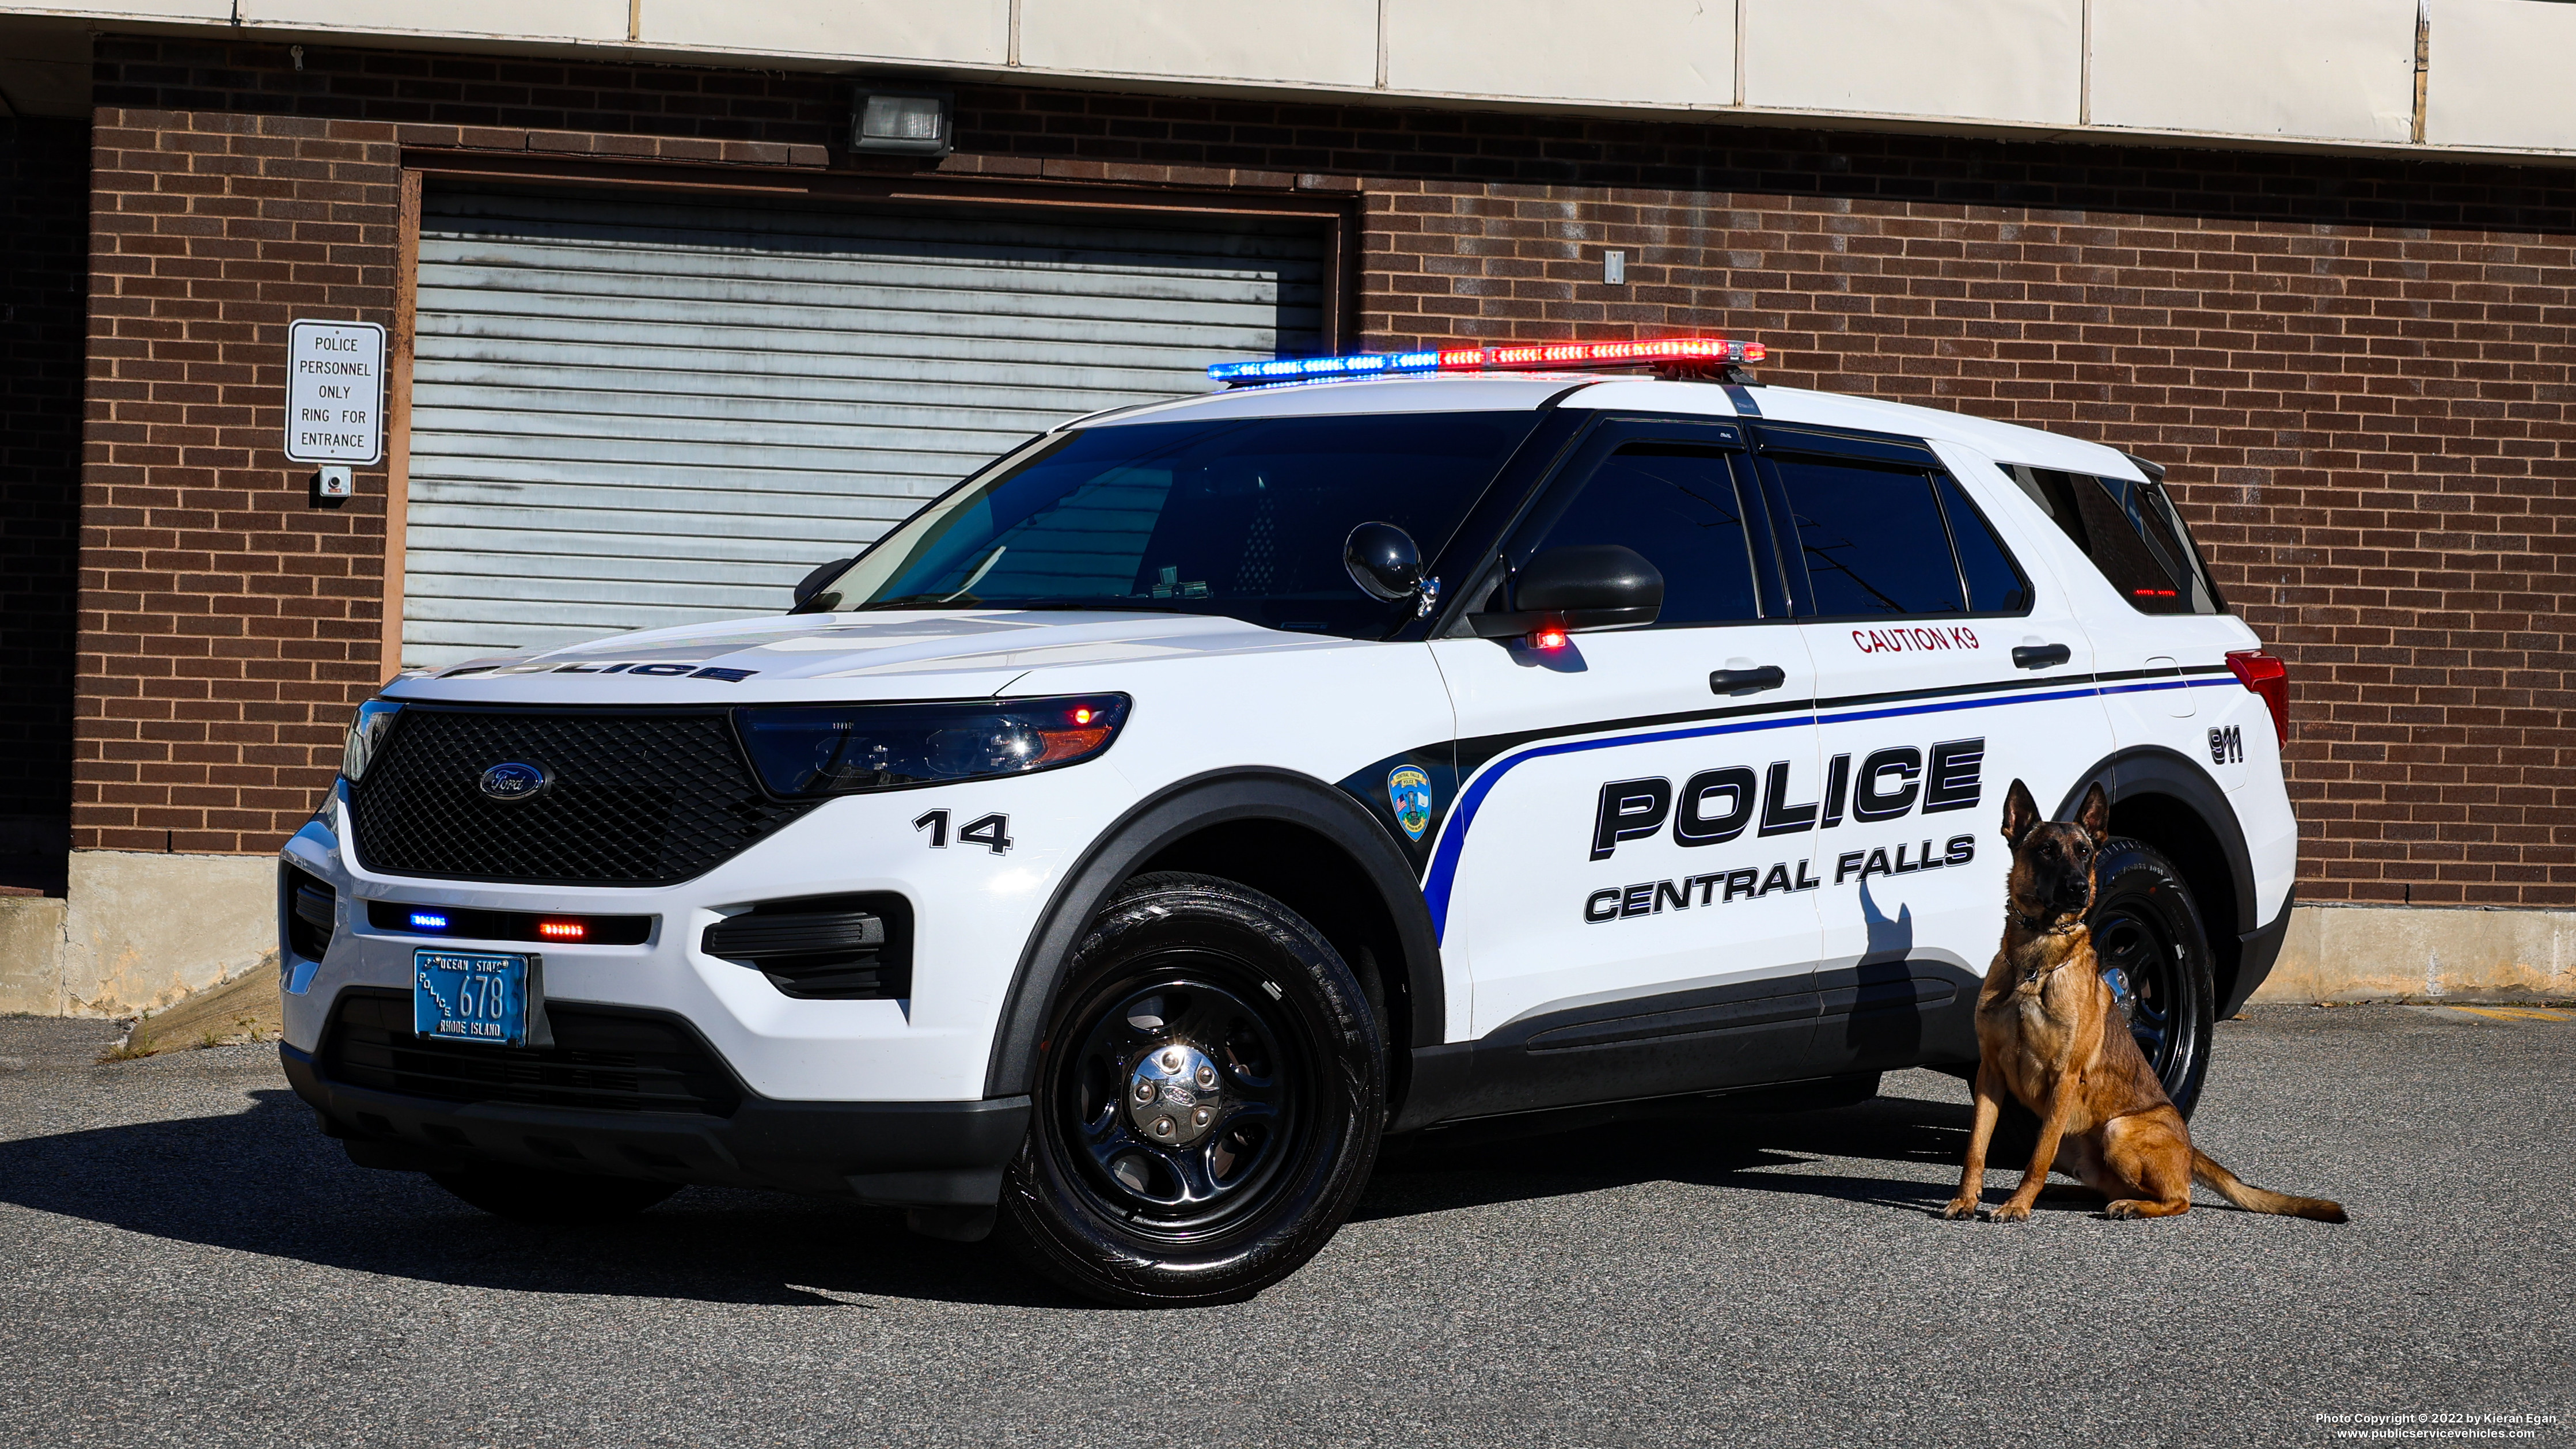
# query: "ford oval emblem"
[[513, 780]]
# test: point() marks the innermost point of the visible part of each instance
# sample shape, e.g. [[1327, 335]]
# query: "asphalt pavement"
[[184, 1260]]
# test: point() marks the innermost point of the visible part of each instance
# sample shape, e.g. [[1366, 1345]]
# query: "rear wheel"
[[2155, 956], [559, 1199], [1210, 1092]]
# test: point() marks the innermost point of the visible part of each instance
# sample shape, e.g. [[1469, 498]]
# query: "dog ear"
[[2020, 813], [2095, 814]]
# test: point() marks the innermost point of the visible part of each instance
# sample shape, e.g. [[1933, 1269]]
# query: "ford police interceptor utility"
[[1121, 847]]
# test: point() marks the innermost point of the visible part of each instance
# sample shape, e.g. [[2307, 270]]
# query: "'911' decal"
[[2227, 746]]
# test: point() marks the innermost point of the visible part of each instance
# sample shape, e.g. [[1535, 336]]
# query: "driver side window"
[[1675, 503]]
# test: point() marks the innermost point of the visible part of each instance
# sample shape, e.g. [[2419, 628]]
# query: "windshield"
[[1243, 517]]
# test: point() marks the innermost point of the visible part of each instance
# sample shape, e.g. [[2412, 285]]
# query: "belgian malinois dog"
[[2050, 1033]]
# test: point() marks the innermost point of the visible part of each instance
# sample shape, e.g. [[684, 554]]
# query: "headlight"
[[366, 734], [836, 749]]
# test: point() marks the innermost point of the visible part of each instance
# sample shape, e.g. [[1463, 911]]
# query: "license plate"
[[470, 996]]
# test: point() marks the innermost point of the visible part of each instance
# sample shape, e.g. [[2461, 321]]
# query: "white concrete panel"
[[2499, 75], [143, 930], [975, 32], [1315, 42], [2341, 952], [1992, 60], [517, 19], [2338, 69], [1643, 52], [219, 10]]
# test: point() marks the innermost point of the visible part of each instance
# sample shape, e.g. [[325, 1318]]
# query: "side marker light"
[[1549, 639]]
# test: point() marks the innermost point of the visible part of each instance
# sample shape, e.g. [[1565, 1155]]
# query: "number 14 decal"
[[993, 832]]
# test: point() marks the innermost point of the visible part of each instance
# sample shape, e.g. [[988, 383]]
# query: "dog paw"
[[1960, 1207], [2127, 1207], [2011, 1212]]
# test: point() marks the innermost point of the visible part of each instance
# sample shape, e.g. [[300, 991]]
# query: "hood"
[[961, 654]]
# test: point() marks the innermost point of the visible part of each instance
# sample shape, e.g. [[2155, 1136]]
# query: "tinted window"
[[1995, 586], [1872, 540], [1677, 505], [1245, 517], [2131, 533]]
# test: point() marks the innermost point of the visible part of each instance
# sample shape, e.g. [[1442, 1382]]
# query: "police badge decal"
[[1408, 790]]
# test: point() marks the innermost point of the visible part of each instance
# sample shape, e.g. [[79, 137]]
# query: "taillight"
[[2268, 677]]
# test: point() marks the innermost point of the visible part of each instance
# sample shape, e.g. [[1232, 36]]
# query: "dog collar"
[[2044, 927]]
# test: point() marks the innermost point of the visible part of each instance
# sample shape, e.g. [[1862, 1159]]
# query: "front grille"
[[602, 1061], [632, 799]]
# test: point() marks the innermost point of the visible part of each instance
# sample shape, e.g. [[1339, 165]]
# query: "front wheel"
[[2155, 956], [1209, 1096]]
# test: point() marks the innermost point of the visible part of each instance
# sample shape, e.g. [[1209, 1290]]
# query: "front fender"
[[1177, 811]]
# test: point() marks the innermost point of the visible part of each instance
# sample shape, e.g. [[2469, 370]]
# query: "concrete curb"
[[2425, 954]]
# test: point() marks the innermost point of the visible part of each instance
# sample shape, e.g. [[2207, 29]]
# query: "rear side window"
[[1995, 584], [2133, 535], [1877, 541]]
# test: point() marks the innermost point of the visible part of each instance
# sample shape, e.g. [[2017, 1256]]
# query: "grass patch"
[[244, 1009], [137, 1043]]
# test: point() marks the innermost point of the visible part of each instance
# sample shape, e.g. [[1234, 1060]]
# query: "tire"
[[2155, 954], [1187, 987], [553, 1199]]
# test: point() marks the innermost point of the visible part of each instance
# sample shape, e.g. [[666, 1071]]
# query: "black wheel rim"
[[2141, 960], [1228, 1082]]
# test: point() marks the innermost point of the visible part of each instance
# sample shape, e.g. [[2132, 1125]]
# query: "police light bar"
[[1518, 357]]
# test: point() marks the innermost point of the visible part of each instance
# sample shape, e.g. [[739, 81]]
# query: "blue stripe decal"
[[1444, 861], [2170, 684], [1437, 885]]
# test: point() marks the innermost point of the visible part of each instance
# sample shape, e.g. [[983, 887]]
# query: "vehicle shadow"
[[1712, 1144], [264, 1181]]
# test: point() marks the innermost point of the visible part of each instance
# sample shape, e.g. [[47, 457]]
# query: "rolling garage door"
[[631, 413]]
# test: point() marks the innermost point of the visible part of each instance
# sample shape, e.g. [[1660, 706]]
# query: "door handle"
[[2040, 656], [1746, 681]]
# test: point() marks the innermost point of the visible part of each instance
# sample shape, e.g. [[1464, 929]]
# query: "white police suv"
[[1122, 846]]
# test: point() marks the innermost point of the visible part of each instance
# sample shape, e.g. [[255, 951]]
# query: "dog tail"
[[2206, 1171]]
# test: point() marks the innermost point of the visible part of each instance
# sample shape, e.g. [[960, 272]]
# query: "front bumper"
[[897, 1154]]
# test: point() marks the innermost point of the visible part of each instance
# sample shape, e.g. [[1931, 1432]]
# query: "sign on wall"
[[335, 392]]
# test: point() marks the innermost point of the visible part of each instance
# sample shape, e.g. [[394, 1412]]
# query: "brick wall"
[[2369, 425], [2358, 369], [44, 275], [224, 623]]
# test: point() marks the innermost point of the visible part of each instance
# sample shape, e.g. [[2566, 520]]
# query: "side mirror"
[[812, 584], [1383, 561], [1579, 587]]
